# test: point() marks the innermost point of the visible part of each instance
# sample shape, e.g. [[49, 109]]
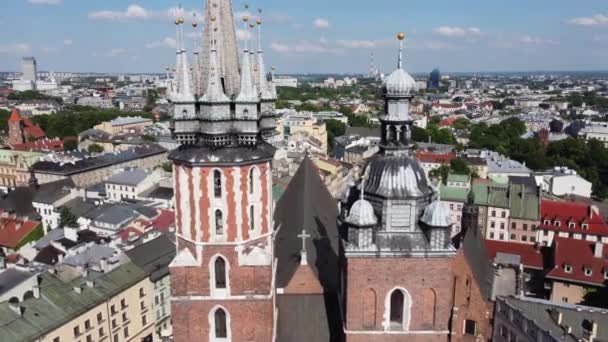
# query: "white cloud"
[[279, 48], [594, 20], [164, 43], [50, 49], [68, 42], [363, 44], [45, 2], [537, 41], [115, 52], [243, 34], [321, 23], [17, 48], [453, 31], [132, 12]]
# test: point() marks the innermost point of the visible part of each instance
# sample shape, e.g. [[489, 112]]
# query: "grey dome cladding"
[[396, 177], [437, 214], [362, 214]]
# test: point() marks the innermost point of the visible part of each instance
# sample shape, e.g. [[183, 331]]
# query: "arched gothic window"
[[251, 217], [369, 309], [398, 310], [251, 175], [220, 273], [219, 223], [404, 134], [217, 184], [221, 329]]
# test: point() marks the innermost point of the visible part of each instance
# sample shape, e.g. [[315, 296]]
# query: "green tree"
[[167, 167], [335, 129], [95, 148], [459, 166], [67, 218], [441, 173], [70, 145]]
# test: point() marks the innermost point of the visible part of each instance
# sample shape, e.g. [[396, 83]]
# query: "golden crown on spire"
[[401, 36]]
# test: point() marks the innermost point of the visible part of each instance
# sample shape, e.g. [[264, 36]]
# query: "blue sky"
[[318, 35]]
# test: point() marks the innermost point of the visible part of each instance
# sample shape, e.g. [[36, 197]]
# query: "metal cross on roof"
[[304, 236]]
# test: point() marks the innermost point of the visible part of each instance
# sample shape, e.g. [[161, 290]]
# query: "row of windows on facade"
[[518, 321], [217, 182], [100, 319], [524, 238], [571, 224], [588, 271], [219, 220], [513, 225], [121, 188]]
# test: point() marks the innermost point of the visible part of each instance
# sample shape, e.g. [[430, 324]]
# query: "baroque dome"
[[394, 176], [400, 83], [437, 214]]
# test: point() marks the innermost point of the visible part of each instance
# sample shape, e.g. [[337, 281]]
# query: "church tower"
[[16, 133], [398, 251], [222, 275]]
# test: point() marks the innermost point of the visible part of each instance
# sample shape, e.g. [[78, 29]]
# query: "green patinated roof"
[[480, 191], [524, 202], [7, 156], [452, 177], [59, 303], [498, 195], [454, 194]]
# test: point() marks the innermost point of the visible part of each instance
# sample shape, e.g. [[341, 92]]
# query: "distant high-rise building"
[[435, 79], [29, 69]]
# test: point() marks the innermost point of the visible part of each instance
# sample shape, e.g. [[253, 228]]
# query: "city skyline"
[[315, 36]]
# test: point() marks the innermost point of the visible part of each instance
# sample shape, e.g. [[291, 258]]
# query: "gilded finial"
[[181, 20], [177, 21], [213, 18], [252, 25], [401, 36], [245, 18], [259, 21], [273, 68]]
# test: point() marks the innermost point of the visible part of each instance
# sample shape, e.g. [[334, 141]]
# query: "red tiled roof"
[[164, 221], [13, 231], [128, 232], [448, 121], [447, 105], [33, 130], [579, 255], [530, 256], [571, 216], [426, 157], [15, 116], [40, 145]]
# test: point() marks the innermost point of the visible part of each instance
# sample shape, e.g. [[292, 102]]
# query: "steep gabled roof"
[[307, 204], [579, 255]]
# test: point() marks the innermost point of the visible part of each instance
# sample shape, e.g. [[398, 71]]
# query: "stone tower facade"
[[399, 282], [16, 133], [222, 276]]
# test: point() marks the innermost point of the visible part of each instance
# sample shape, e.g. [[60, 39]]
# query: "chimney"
[[36, 291], [90, 283], [593, 210], [556, 316], [78, 289], [598, 251], [16, 308]]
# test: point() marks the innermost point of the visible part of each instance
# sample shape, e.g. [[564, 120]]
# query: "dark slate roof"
[[363, 131], [154, 256], [307, 204], [159, 192], [577, 317], [48, 255], [204, 155], [19, 202], [13, 277], [477, 257], [50, 192], [305, 318], [99, 161]]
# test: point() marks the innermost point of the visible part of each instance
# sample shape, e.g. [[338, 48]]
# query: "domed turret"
[[362, 212], [437, 214], [399, 82]]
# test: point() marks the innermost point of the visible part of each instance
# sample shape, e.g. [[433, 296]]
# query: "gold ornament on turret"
[[213, 18], [252, 25], [259, 21], [245, 18], [401, 36]]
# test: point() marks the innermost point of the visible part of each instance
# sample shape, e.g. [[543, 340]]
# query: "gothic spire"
[[184, 92], [248, 91], [214, 88], [264, 87]]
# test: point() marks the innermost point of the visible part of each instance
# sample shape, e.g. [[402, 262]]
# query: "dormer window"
[[606, 274], [588, 271], [568, 268], [571, 224], [585, 226], [556, 223], [547, 222]]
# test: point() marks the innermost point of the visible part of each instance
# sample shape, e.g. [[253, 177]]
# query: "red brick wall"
[[249, 320], [420, 277], [469, 303]]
